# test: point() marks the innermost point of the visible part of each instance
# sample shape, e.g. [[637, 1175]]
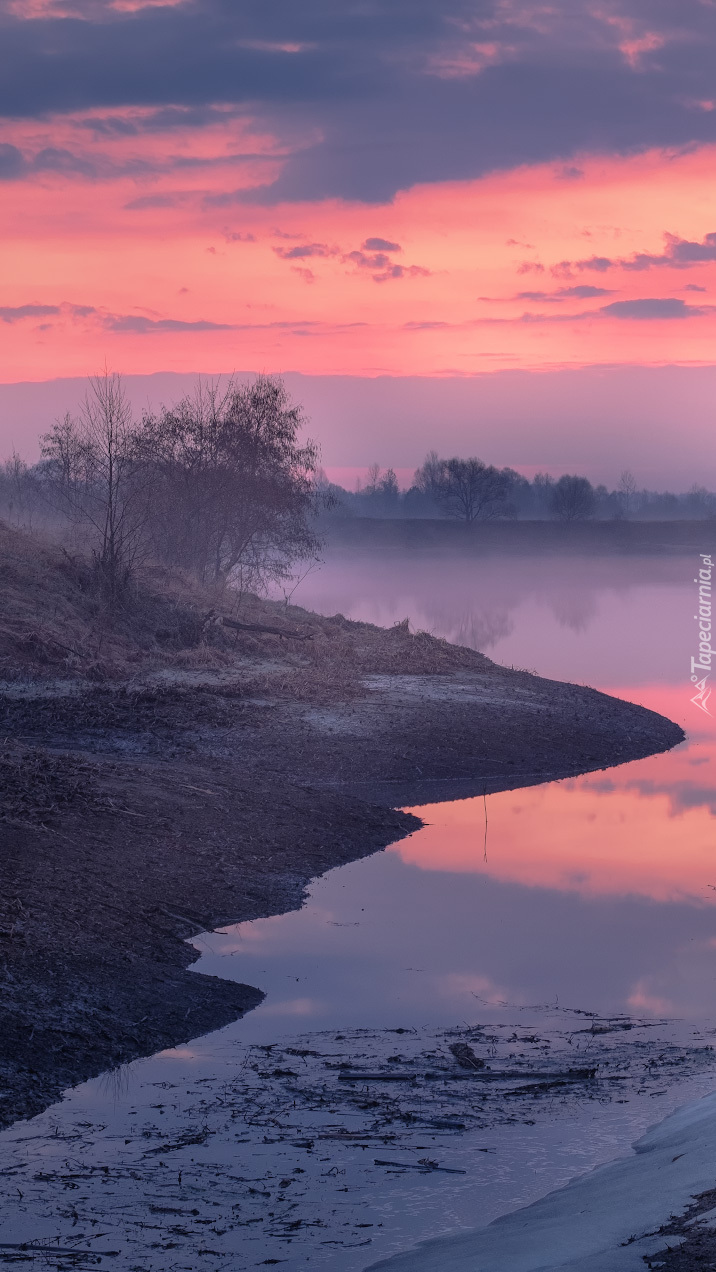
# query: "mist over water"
[[601, 620]]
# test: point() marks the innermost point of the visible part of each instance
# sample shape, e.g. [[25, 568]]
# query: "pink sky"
[[527, 269], [430, 194]]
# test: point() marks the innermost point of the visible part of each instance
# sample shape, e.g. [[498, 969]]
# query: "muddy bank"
[[136, 815]]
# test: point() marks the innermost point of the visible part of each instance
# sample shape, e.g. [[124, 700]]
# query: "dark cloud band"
[[399, 91]]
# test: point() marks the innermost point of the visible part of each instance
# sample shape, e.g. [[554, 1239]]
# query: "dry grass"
[[52, 624], [35, 785], [52, 620]]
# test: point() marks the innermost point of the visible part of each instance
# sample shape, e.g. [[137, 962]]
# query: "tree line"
[[221, 485], [471, 490], [218, 484]]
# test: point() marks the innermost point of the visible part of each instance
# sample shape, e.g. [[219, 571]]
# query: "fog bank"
[[656, 421]]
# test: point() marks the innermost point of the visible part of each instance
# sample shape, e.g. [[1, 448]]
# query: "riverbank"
[[524, 538], [189, 764]]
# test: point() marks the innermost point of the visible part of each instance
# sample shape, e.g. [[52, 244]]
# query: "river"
[[553, 927]]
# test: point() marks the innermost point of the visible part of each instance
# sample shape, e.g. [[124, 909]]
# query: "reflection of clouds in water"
[[682, 795], [646, 831], [673, 777], [295, 1007], [472, 985], [641, 999]]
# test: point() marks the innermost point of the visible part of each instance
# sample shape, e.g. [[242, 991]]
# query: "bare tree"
[[626, 491], [698, 501], [232, 490], [20, 491], [427, 478], [371, 485], [572, 499], [464, 488], [93, 471]]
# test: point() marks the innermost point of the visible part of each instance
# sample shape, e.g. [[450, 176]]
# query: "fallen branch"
[[475, 1075], [36, 1251], [213, 617], [422, 1166], [509, 1075], [260, 627], [377, 1077]]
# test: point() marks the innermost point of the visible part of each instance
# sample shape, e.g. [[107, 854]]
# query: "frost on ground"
[[334, 1149], [653, 1209]]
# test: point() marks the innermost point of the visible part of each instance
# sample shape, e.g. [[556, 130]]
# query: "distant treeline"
[[470, 490], [220, 485]]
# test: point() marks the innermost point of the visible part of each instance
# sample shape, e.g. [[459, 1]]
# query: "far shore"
[[524, 537]]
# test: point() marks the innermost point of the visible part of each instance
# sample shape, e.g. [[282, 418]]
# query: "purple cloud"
[[565, 269], [583, 291], [10, 313], [12, 163], [142, 326], [382, 268], [152, 201], [303, 251], [580, 292], [368, 100], [380, 245], [653, 307], [679, 254]]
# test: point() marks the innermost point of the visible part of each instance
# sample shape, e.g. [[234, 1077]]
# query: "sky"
[[370, 190]]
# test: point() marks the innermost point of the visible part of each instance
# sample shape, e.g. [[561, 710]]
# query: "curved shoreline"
[[201, 807]]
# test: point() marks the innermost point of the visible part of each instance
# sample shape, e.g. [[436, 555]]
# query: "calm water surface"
[[596, 892], [519, 911]]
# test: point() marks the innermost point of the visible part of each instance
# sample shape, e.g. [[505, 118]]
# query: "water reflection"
[[412, 937], [595, 895], [597, 892], [641, 832], [569, 617]]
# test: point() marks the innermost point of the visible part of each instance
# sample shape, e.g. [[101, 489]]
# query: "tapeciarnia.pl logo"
[[702, 664]]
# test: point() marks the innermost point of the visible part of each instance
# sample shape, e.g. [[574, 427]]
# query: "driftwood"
[[465, 1056], [479, 1075], [509, 1075], [38, 1252], [257, 627], [423, 1165], [377, 1077]]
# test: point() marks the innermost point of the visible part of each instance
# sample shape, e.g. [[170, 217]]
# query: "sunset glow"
[[190, 226], [525, 269]]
